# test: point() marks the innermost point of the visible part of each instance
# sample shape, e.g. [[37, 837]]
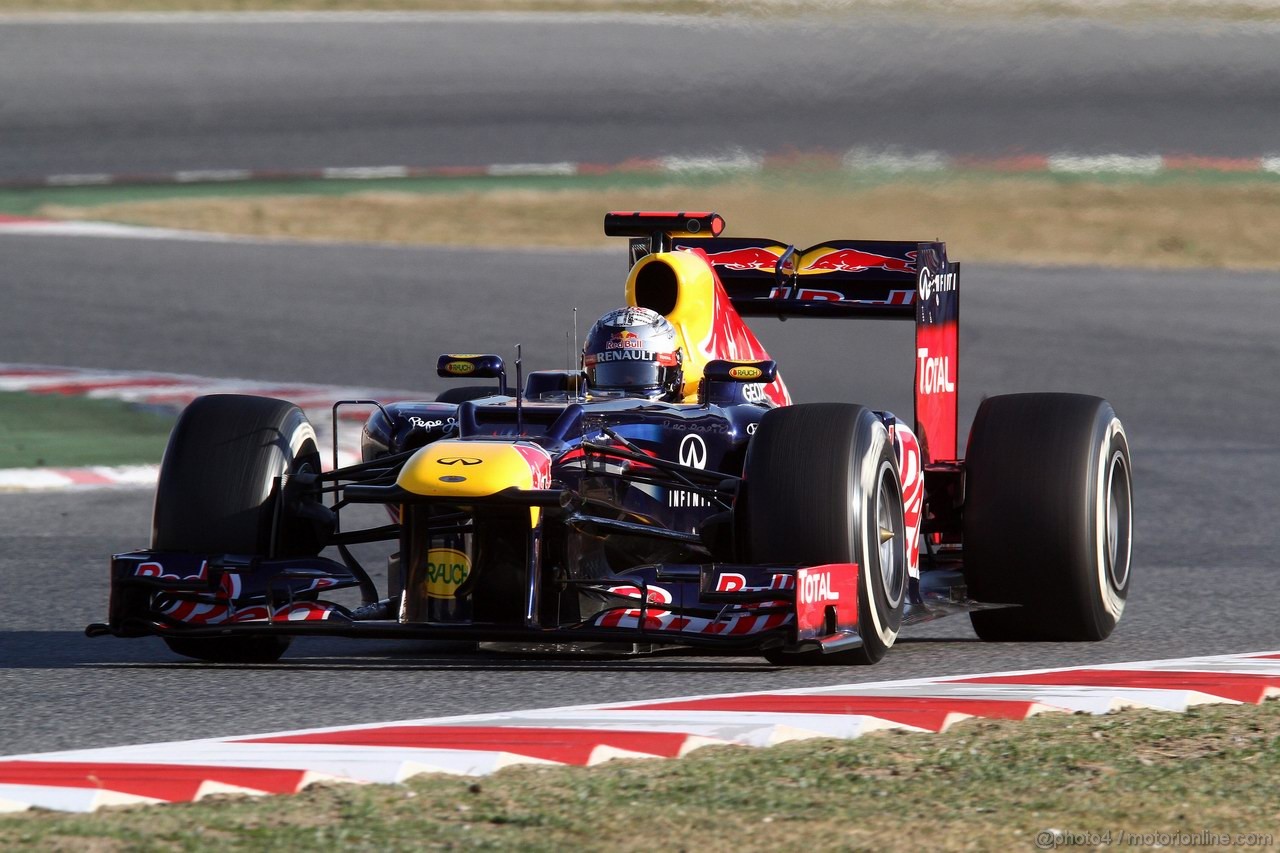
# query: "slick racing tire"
[[1048, 517], [218, 494], [823, 484]]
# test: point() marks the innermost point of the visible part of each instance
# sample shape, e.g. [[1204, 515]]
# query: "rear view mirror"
[[453, 366], [719, 370]]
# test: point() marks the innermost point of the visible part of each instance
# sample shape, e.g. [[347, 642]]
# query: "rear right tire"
[[1048, 517]]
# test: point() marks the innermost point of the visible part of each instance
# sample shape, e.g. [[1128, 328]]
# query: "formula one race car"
[[667, 493]]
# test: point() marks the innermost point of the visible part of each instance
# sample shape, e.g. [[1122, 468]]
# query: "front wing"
[[708, 606]]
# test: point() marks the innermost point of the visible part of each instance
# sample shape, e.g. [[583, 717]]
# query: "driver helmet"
[[633, 352]]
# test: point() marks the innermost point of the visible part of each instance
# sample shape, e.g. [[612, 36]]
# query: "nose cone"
[[465, 469], [472, 469]]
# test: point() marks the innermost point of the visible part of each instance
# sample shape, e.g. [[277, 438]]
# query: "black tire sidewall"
[[879, 619], [217, 487], [1113, 447]]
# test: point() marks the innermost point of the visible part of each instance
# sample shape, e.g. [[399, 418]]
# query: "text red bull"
[[624, 340]]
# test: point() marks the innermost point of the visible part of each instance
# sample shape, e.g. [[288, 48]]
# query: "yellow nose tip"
[[465, 469]]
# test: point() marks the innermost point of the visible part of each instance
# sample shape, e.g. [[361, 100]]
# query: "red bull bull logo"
[[853, 260], [625, 340], [750, 258]]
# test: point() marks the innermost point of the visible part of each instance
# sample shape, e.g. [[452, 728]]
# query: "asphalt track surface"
[[1187, 358], [129, 95]]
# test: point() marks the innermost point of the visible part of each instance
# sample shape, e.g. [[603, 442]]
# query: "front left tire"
[[823, 486], [224, 475]]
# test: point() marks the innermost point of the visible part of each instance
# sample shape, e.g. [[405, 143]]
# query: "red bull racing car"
[[667, 493]]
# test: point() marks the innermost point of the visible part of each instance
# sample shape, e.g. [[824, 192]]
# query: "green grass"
[[1179, 219], [983, 785], [38, 430], [28, 201]]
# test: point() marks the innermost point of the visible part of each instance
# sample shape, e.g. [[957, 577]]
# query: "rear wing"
[[839, 278]]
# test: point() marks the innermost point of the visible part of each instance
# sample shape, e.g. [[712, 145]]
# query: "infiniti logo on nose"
[[459, 460], [693, 451]]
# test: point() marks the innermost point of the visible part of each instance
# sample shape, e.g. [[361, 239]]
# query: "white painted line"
[[77, 479], [33, 480], [738, 161], [212, 175], [1122, 164], [91, 179], [71, 228], [37, 382], [522, 170], [128, 475], [365, 173], [747, 728], [15, 798], [1087, 700], [361, 764], [1246, 666], [869, 160]]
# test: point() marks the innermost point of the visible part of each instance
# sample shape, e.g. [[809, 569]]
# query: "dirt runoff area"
[[1040, 220]]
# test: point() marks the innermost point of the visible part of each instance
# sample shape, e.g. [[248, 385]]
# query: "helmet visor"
[[625, 375]]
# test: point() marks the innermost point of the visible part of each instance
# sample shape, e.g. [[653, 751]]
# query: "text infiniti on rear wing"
[[877, 279]]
